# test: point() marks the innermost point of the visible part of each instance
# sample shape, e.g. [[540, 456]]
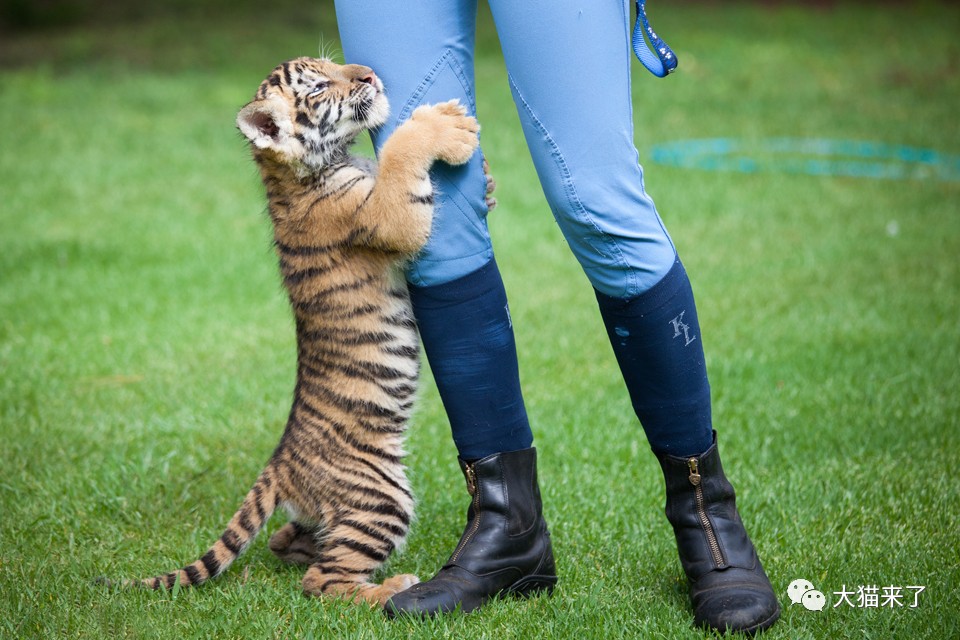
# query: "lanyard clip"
[[665, 61]]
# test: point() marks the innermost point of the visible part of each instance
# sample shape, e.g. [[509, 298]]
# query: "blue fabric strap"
[[665, 61]]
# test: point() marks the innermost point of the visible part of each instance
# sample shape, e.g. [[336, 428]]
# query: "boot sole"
[[757, 628], [532, 585], [766, 624], [526, 587]]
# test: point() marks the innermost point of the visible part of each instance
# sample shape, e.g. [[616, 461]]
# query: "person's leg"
[[423, 52], [569, 68]]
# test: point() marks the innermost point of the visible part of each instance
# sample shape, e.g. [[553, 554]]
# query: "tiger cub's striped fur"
[[342, 227]]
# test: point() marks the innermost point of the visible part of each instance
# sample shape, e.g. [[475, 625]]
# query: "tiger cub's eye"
[[318, 89]]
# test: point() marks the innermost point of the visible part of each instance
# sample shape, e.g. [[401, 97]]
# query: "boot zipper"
[[474, 491], [694, 478]]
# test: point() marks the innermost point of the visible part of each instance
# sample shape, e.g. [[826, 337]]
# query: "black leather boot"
[[505, 548], [728, 587]]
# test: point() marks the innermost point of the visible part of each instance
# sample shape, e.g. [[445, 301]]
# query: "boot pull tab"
[[694, 472], [471, 479]]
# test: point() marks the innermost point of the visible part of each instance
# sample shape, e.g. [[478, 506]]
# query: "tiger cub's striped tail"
[[257, 507]]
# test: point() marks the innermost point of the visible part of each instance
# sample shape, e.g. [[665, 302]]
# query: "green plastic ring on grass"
[[810, 156]]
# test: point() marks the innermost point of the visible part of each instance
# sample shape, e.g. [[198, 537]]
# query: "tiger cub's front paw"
[[491, 186], [455, 133]]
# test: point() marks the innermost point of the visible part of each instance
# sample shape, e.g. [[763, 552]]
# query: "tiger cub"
[[342, 229]]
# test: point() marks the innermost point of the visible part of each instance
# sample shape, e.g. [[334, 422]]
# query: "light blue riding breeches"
[[569, 69]]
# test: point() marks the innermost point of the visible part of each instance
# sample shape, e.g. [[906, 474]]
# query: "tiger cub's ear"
[[268, 125]]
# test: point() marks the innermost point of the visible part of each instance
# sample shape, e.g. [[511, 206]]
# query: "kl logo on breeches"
[[682, 328]]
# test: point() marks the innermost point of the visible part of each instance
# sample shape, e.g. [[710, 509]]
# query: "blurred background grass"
[[148, 359]]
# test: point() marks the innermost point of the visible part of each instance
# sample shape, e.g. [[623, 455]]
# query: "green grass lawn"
[[147, 352]]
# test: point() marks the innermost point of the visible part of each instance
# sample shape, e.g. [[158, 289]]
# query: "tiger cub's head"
[[308, 111]]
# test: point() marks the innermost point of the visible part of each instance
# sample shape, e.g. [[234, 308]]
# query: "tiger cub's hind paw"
[[379, 594], [400, 582], [295, 543], [318, 583]]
